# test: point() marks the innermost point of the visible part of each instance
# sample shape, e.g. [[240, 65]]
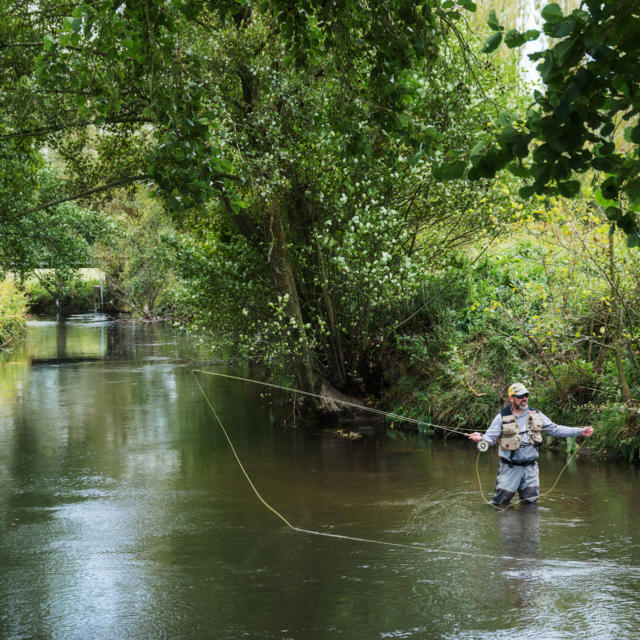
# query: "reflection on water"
[[519, 531], [125, 514]]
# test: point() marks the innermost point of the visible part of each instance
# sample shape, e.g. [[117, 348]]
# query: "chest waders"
[[518, 475]]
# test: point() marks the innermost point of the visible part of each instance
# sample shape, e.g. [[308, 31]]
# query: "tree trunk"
[[335, 343], [306, 371]]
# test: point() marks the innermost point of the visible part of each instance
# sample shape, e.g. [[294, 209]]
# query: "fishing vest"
[[511, 438]]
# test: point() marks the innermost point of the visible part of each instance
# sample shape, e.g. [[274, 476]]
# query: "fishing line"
[[416, 546], [382, 413]]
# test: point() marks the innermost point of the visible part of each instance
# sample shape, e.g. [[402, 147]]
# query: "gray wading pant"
[[523, 479]]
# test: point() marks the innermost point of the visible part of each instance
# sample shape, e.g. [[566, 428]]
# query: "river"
[[125, 514]]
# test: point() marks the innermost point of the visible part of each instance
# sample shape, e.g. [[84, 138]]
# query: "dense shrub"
[[13, 310], [139, 260]]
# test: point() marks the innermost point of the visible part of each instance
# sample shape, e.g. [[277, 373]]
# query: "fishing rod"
[[347, 403]]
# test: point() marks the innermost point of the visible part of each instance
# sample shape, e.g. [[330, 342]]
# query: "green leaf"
[[602, 201], [49, 42], [506, 134], [449, 170], [496, 158], [222, 165], [628, 223], [81, 10], [613, 213], [552, 13], [469, 5], [562, 29], [569, 189], [416, 158], [478, 149], [492, 43], [403, 120], [620, 85], [514, 38], [83, 110], [632, 189], [431, 132], [562, 49], [526, 192], [603, 164], [633, 239], [607, 129], [148, 112], [520, 145], [505, 119], [73, 24], [606, 149], [493, 23], [518, 170], [237, 204], [609, 189]]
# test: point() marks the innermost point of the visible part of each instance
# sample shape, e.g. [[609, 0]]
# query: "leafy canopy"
[[118, 88], [586, 120]]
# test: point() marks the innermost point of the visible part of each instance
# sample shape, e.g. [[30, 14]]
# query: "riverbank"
[[438, 405]]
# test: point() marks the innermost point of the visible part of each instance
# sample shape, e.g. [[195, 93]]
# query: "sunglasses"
[[524, 395]]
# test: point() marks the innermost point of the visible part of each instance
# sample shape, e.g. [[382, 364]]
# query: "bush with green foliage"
[[51, 246], [13, 313]]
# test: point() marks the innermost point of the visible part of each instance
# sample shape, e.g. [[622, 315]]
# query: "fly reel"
[[483, 446]]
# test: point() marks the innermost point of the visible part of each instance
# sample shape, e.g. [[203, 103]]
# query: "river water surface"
[[124, 514]]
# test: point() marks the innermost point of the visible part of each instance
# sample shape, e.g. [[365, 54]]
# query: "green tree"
[[336, 221], [330, 116], [139, 256], [118, 89], [52, 245]]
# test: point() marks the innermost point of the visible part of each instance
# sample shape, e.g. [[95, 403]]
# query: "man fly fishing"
[[517, 429]]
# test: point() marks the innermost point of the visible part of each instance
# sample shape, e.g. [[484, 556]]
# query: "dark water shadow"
[[64, 360]]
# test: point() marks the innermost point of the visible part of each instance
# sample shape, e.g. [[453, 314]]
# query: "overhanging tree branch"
[[73, 125], [84, 194]]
